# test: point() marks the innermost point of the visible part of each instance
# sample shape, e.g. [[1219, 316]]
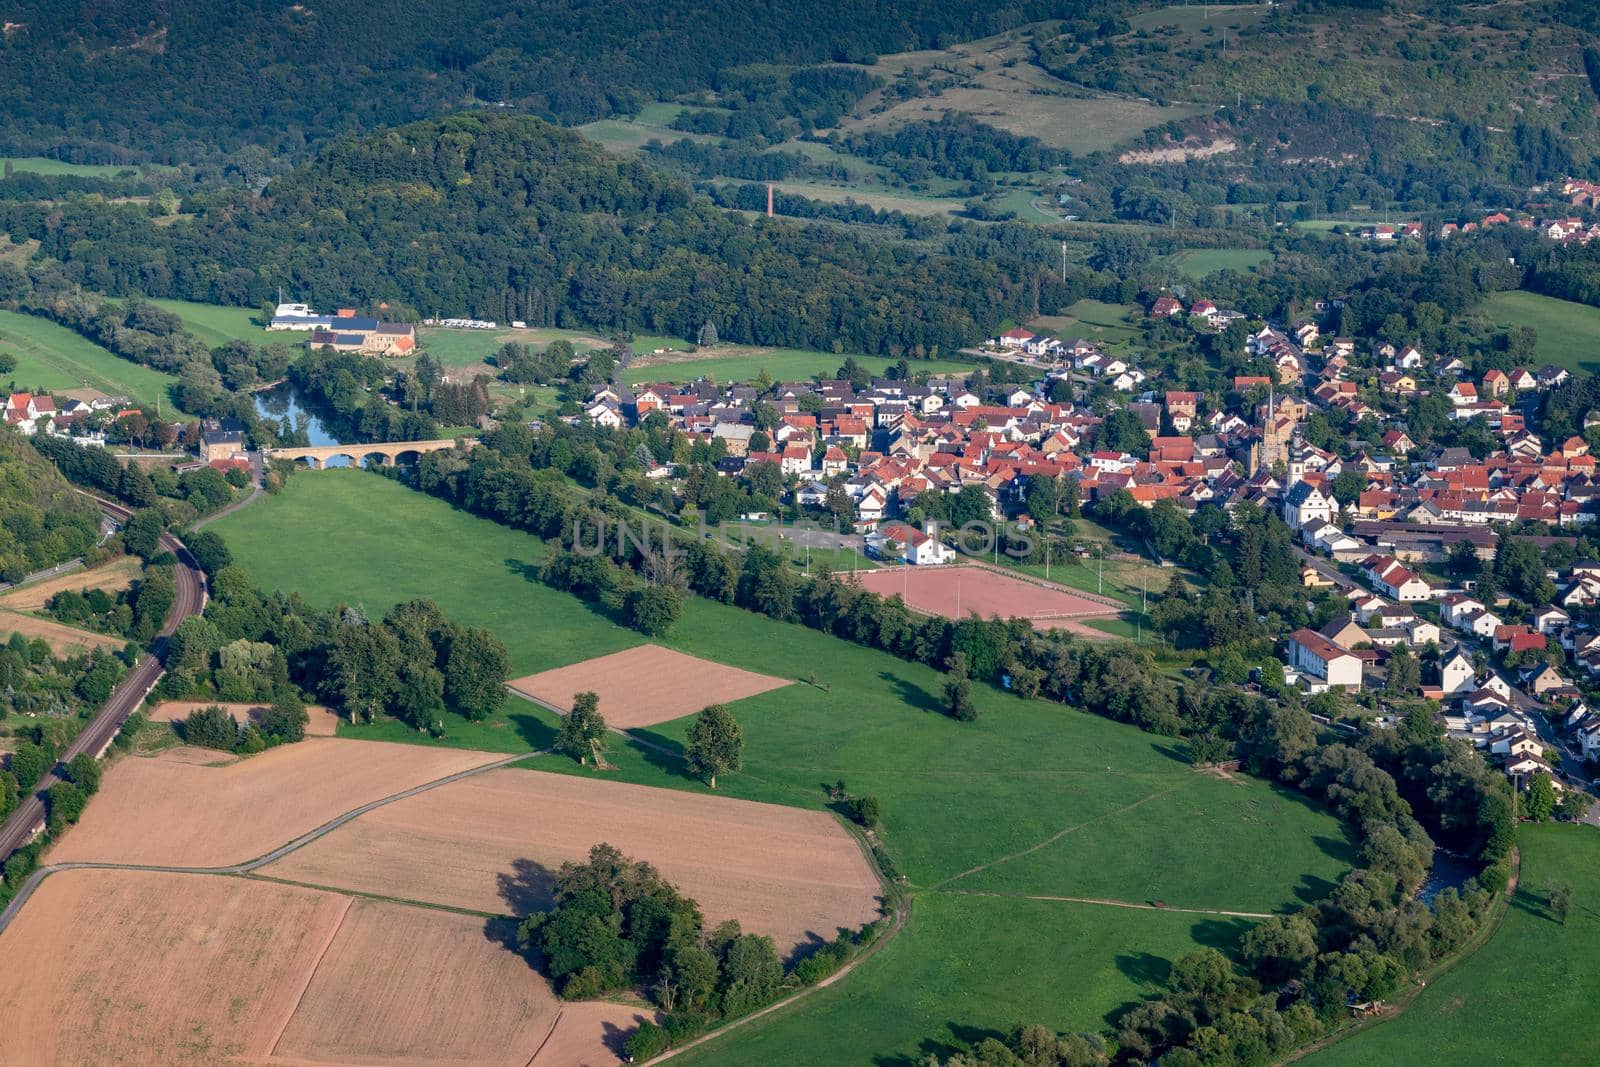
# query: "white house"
[[1314, 654], [910, 544], [1456, 674]]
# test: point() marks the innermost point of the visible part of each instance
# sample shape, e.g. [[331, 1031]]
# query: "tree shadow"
[[1222, 934], [527, 571], [1312, 889], [961, 1037], [1341, 849], [615, 1038], [662, 753], [529, 887], [503, 932], [1176, 753], [534, 732], [912, 694], [1146, 968]]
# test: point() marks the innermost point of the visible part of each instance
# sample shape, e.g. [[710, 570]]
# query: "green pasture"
[[52, 357], [1568, 332]]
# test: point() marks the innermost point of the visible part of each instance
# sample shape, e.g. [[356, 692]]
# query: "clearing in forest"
[[493, 842], [167, 810], [645, 685]]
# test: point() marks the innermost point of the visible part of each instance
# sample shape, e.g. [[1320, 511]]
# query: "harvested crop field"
[[955, 592], [645, 685], [165, 810], [320, 721], [63, 640], [400, 984], [113, 577], [141, 967], [492, 843]]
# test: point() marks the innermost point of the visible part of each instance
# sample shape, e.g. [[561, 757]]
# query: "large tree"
[[583, 731], [716, 744]]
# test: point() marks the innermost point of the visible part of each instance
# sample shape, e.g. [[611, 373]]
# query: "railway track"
[[29, 817]]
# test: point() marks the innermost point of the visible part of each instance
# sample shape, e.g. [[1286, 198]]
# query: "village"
[[1372, 513]]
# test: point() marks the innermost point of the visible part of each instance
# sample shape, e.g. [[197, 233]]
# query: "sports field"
[[55, 358], [964, 805], [1568, 333], [1543, 968], [956, 592]]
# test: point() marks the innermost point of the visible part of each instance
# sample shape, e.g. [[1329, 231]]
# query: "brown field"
[[322, 722], [63, 640], [955, 592], [147, 968], [645, 685], [491, 843], [401, 984], [165, 810], [113, 577]]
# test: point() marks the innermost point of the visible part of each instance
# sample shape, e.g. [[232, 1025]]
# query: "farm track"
[[38, 876]]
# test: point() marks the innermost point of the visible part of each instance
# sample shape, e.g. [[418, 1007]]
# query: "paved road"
[[29, 817], [108, 528]]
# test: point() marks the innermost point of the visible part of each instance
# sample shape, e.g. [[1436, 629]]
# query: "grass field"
[[1093, 320], [876, 197], [1569, 333], [53, 357], [216, 325], [942, 986], [1199, 262], [41, 165], [1033, 799], [740, 363], [1543, 969], [466, 348]]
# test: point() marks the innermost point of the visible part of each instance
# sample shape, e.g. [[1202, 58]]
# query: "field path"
[[1053, 838], [1109, 903], [248, 866]]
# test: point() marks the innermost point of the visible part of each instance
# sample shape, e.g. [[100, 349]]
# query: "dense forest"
[[506, 217], [42, 521], [176, 83]]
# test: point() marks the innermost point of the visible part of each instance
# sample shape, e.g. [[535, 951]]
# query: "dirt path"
[[1110, 903], [1057, 836], [38, 876]]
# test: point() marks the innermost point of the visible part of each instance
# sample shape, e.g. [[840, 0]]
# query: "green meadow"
[[1034, 800], [739, 363], [1527, 996], [1568, 332], [53, 357], [216, 325]]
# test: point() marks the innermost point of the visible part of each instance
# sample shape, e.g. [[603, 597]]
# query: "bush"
[[646, 1043], [210, 727]]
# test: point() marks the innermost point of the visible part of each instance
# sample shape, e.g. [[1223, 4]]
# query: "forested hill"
[[505, 217], [42, 521], [111, 82]]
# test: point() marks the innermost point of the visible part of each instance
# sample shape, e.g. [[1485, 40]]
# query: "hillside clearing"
[[1568, 333]]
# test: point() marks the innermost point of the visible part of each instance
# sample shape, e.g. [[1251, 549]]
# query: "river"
[[282, 402]]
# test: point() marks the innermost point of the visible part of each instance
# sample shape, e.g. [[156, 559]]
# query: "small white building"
[[1456, 674]]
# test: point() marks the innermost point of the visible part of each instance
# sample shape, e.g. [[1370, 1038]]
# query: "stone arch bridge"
[[386, 453]]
